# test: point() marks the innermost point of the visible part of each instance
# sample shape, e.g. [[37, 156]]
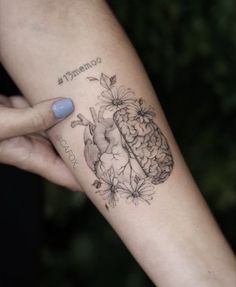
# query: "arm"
[[77, 49]]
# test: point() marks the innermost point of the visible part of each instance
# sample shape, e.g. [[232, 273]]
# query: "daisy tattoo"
[[123, 145]]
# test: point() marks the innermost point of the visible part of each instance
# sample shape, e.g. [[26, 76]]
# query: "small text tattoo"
[[71, 75], [123, 145], [70, 155]]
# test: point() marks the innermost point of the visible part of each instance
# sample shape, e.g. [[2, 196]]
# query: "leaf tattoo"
[[123, 146]]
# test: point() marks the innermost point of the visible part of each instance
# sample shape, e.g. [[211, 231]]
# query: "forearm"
[[170, 231]]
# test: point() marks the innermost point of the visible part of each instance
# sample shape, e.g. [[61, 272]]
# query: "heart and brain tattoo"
[[123, 146]]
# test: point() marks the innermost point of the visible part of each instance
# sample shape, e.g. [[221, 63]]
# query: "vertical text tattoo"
[[70, 75], [124, 147], [71, 156]]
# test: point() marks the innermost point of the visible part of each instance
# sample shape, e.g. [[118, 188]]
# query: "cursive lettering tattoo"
[[70, 155], [71, 75], [124, 147]]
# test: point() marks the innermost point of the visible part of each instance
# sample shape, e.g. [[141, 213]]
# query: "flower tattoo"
[[139, 190], [123, 146], [114, 99], [140, 112], [109, 187]]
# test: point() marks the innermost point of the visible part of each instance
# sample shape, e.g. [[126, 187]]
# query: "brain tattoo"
[[149, 146], [124, 147]]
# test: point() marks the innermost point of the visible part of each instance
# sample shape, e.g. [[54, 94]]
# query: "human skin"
[[172, 234], [24, 144]]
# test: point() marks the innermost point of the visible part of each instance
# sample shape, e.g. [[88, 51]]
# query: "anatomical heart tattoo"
[[123, 145]]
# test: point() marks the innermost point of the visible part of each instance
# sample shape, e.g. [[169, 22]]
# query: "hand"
[[23, 142]]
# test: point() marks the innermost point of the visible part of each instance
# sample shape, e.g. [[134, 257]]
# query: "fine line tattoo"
[[70, 155], [71, 75], [124, 147]]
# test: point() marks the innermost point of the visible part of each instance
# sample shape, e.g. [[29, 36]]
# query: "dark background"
[[188, 49]]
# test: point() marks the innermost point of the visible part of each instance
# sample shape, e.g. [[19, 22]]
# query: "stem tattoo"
[[124, 147]]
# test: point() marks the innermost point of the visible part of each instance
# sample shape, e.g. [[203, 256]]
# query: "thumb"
[[40, 117]]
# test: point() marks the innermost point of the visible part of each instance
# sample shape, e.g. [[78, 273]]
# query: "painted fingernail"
[[62, 108]]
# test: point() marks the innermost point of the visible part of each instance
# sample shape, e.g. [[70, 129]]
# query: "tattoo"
[[124, 147], [71, 156], [69, 76]]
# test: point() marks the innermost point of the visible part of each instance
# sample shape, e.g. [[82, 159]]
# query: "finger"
[[15, 122], [31, 154], [15, 101], [56, 170], [58, 173], [19, 102], [4, 101]]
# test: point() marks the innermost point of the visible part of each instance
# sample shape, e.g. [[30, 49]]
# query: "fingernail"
[[62, 108]]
